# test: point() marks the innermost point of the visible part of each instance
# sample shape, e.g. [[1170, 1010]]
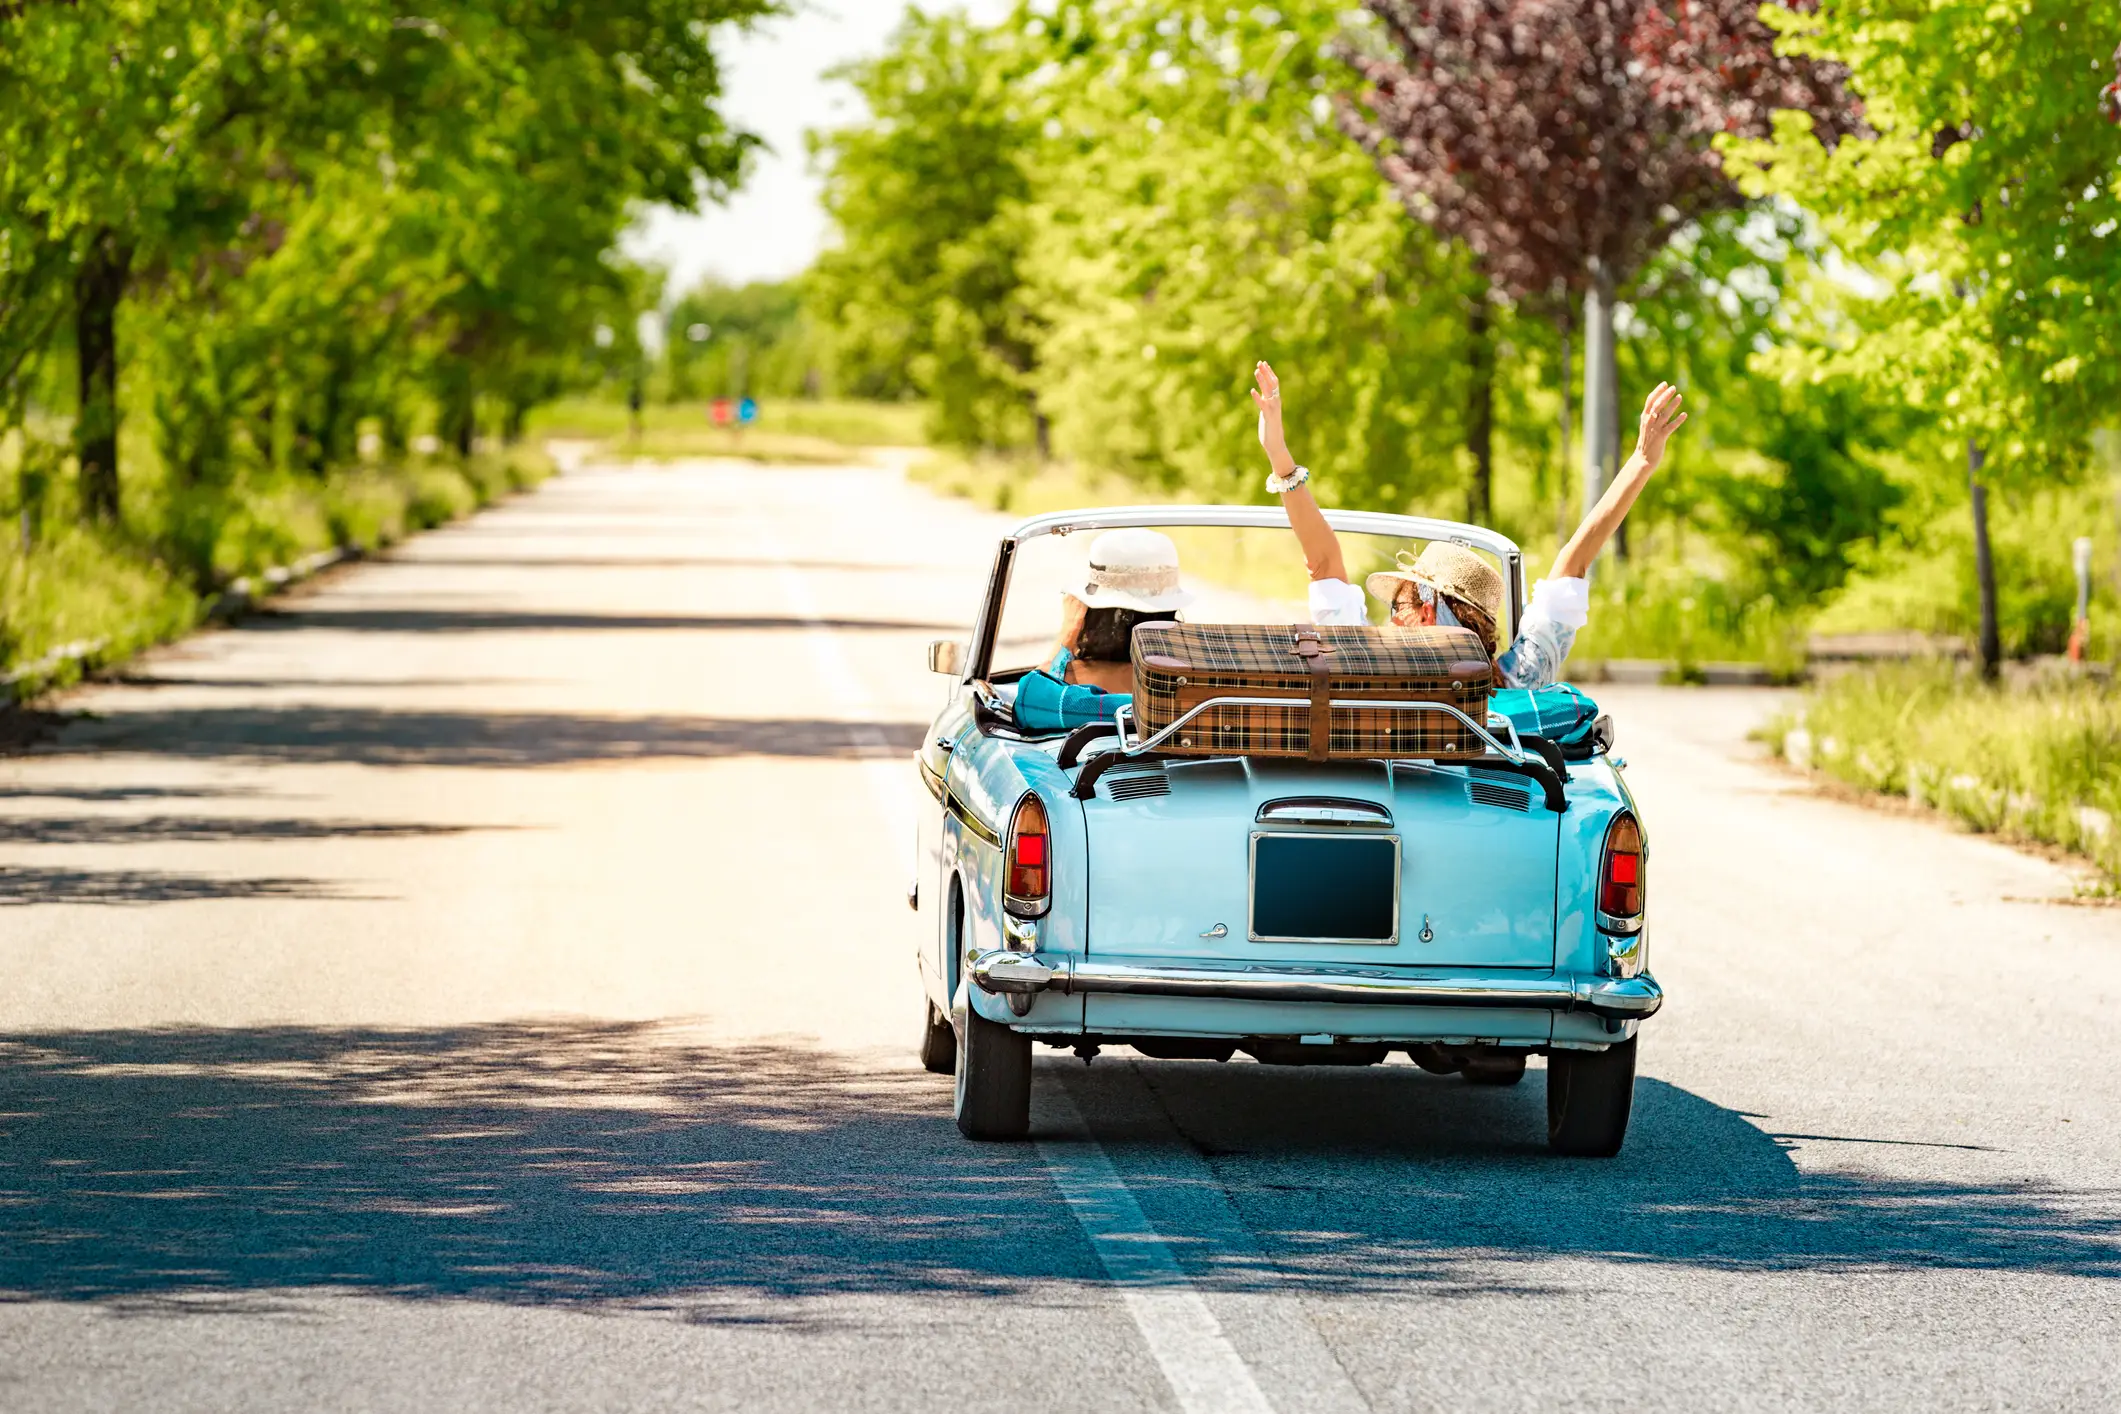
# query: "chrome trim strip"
[[1608, 923], [1623, 998], [954, 804]]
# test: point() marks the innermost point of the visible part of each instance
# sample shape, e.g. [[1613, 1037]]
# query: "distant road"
[[485, 983]]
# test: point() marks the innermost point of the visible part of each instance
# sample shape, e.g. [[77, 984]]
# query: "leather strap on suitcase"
[[1312, 649]]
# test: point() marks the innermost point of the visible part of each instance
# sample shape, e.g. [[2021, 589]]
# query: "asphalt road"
[[485, 983]]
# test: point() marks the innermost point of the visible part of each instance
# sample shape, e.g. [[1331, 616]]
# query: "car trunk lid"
[[1287, 862]]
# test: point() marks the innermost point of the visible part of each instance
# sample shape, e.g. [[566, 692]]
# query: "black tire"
[[993, 1080], [938, 1042], [1495, 1070], [1589, 1095]]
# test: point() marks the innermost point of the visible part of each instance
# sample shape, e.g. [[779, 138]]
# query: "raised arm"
[[1321, 546], [1661, 417]]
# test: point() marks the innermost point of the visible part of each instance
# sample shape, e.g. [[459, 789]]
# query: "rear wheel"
[[1495, 1070], [1589, 1095], [993, 1080], [938, 1042]]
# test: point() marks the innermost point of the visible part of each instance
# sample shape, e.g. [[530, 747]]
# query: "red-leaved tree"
[[1563, 142]]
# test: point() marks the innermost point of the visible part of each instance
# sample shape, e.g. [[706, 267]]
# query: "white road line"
[[890, 775], [1203, 1368]]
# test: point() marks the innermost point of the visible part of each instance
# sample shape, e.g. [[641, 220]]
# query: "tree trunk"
[[456, 413], [1480, 410], [1991, 647], [99, 285], [1561, 481], [1601, 417]]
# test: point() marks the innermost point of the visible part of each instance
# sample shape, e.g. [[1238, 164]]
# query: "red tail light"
[[1027, 892], [1620, 881]]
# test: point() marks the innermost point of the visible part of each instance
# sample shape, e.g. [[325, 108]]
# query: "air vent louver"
[[1136, 781], [1505, 797]]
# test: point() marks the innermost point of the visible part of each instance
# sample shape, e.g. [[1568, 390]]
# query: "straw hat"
[[1447, 569], [1134, 569]]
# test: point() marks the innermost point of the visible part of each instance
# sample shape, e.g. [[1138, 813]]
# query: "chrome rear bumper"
[[1623, 998]]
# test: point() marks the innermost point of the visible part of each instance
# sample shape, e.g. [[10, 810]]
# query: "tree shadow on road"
[[376, 737], [605, 1164], [559, 621], [208, 829], [1380, 1169], [23, 886], [653, 562]]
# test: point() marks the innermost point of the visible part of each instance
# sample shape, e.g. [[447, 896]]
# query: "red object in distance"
[[721, 412]]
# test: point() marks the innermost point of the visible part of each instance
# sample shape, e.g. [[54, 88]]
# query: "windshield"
[[1241, 575]]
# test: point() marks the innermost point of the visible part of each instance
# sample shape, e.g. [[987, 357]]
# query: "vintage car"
[[1081, 889]]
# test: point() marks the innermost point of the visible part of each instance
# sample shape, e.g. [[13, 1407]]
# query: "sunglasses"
[[1428, 598]]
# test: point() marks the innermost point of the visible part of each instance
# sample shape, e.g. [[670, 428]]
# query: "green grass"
[[2039, 762], [803, 429], [1666, 612], [152, 577]]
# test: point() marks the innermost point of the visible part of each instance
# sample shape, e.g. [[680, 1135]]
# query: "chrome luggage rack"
[[1123, 715], [1515, 757]]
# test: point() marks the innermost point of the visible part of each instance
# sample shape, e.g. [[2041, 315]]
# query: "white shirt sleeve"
[[1566, 601], [1559, 607], [1335, 601]]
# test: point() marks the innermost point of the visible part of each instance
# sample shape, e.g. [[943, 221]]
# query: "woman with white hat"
[[1132, 579], [1449, 584]]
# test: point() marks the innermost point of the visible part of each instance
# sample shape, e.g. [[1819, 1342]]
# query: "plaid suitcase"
[[1178, 666]]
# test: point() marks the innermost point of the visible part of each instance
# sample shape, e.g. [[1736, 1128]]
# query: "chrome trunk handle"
[[1325, 810]]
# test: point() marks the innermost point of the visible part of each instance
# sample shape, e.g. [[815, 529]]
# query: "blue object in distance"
[[747, 410]]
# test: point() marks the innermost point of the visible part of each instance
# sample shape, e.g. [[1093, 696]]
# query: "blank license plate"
[[1325, 889]]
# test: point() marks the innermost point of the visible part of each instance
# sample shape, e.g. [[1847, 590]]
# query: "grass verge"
[[787, 429], [64, 582], [2039, 762]]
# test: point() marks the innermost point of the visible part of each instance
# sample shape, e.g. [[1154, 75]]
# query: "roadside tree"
[[1564, 143], [1197, 210], [925, 286], [1980, 215]]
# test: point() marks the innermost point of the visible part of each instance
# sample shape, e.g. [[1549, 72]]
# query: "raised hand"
[[1267, 398], [1661, 417]]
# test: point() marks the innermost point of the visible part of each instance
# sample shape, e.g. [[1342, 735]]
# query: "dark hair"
[[1107, 635]]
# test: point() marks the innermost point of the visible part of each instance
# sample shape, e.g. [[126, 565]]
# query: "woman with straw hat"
[[1449, 584], [1132, 579]]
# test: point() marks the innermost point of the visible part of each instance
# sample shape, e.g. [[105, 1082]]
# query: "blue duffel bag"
[[1046, 704], [1561, 712]]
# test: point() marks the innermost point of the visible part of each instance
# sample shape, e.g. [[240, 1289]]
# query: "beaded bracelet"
[[1281, 485]]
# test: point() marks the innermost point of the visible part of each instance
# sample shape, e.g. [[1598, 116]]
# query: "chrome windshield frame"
[[979, 662]]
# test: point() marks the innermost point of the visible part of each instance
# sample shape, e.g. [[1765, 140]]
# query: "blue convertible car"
[[1079, 889]]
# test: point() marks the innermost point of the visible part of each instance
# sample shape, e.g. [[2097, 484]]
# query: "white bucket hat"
[[1134, 569]]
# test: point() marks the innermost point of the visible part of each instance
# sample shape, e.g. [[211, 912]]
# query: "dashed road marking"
[[1204, 1370], [888, 772]]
